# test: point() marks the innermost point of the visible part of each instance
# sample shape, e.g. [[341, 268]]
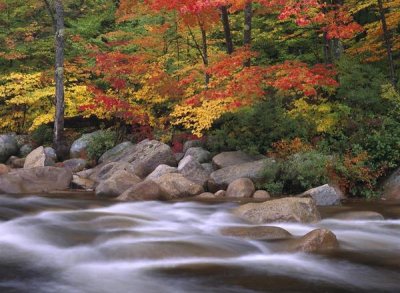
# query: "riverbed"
[[66, 244]]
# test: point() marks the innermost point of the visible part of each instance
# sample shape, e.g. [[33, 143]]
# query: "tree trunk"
[[205, 52], [58, 138], [248, 16], [388, 43], [227, 29]]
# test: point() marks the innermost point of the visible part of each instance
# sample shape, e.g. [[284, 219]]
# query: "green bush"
[[43, 135], [101, 143]]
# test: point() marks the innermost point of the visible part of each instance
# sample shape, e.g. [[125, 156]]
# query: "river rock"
[[79, 147], [175, 185], [8, 147], [161, 170], [4, 169], [114, 154], [220, 193], [325, 195], [179, 156], [146, 156], [208, 167], [41, 157], [221, 178], [82, 183], [75, 165], [16, 162], [261, 194], [116, 184], [200, 154], [35, 180], [242, 187], [206, 195], [192, 170], [289, 209], [146, 190], [359, 215], [192, 144], [104, 171], [257, 233], [318, 240], [226, 159], [391, 187]]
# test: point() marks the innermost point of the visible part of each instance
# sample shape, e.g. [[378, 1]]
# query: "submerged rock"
[[289, 209], [359, 215], [35, 180], [257, 233]]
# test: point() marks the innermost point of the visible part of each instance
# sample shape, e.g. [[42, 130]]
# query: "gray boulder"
[[325, 195], [160, 171], [289, 209], [25, 150], [242, 187], [41, 157], [146, 190], [8, 147], [208, 167], [192, 144], [114, 154], [104, 171], [116, 184], [226, 159], [221, 178], [75, 165], [200, 154], [175, 185], [192, 170], [391, 187], [35, 180], [79, 147]]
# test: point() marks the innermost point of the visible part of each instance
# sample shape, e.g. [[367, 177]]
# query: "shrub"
[[43, 135], [101, 143]]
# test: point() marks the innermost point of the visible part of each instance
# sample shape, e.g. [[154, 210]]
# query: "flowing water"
[[77, 245]]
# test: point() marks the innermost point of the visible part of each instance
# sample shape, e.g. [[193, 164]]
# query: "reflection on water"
[[59, 245]]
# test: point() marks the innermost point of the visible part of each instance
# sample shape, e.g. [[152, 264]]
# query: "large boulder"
[[25, 150], [318, 240], [79, 147], [114, 154], [325, 195], [391, 187], [200, 154], [8, 147], [289, 209], [256, 233], [116, 184], [41, 157], [221, 178], [104, 171], [242, 187], [35, 180], [82, 183], [175, 185], [226, 159], [160, 171], [192, 144], [146, 156], [146, 190], [193, 170], [4, 169]]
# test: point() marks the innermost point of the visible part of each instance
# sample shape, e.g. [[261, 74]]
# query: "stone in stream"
[[325, 195], [116, 184], [104, 171], [242, 188], [359, 215], [75, 165], [16, 162], [220, 193], [256, 233], [206, 195], [35, 180], [82, 183], [146, 190], [261, 194], [289, 209], [175, 185], [41, 157], [318, 240], [8, 147]]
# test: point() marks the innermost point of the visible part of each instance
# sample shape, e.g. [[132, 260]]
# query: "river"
[[73, 245]]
